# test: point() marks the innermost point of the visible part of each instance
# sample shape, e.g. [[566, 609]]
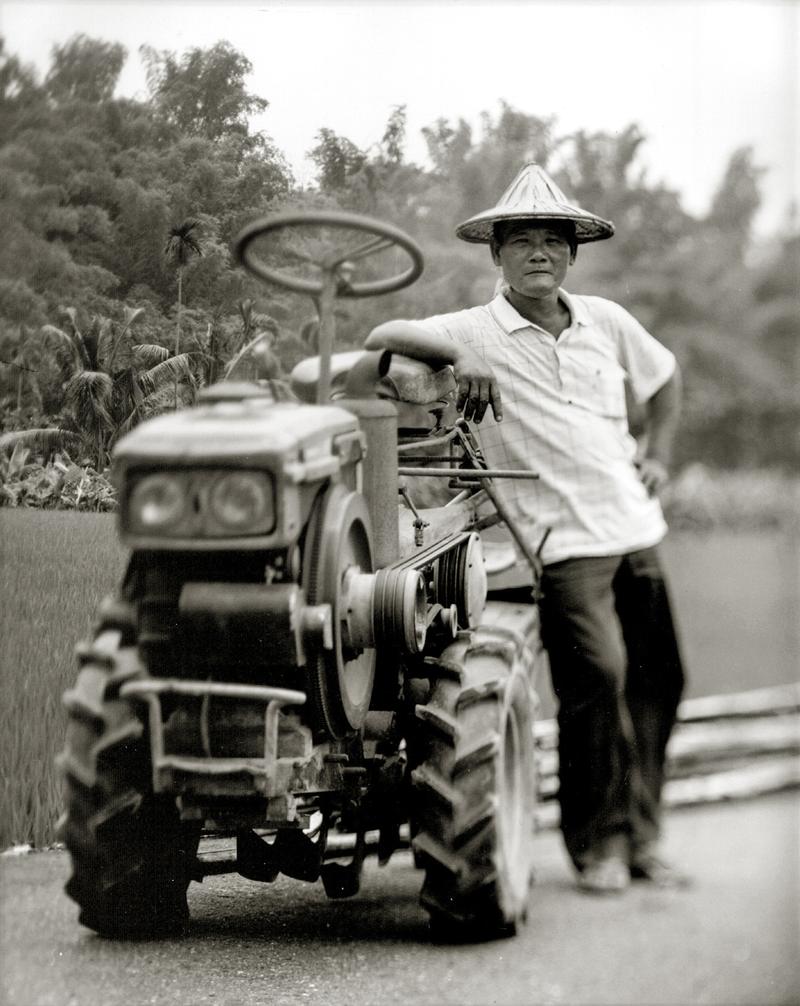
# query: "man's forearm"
[[477, 387], [408, 339], [663, 416]]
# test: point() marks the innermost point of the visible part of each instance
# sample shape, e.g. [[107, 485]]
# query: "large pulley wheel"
[[340, 680], [324, 243]]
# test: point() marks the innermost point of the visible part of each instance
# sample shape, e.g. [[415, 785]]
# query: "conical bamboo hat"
[[533, 195]]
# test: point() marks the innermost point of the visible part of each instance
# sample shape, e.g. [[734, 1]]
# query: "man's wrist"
[[463, 354], [653, 473], [655, 460]]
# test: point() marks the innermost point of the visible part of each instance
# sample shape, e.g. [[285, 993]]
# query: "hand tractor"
[[301, 659]]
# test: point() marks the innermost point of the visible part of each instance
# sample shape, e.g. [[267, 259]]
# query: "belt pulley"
[[340, 680], [460, 579], [370, 613]]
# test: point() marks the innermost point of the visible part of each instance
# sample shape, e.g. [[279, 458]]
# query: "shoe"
[[647, 864], [609, 875]]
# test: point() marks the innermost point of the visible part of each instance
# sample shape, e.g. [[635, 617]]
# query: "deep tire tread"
[[480, 817], [132, 857], [440, 720], [488, 689], [121, 737], [424, 778], [473, 845], [79, 708], [481, 753], [439, 668], [427, 847]]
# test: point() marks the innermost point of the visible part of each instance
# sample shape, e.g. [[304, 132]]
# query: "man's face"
[[534, 258]]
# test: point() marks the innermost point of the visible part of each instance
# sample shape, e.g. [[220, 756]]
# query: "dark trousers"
[[617, 674]]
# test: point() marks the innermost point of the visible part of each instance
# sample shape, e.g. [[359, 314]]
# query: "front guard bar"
[[263, 771]]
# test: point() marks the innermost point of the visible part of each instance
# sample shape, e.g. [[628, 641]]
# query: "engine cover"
[[298, 446]]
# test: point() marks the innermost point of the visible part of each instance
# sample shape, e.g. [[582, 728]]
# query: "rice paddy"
[[736, 595], [55, 566]]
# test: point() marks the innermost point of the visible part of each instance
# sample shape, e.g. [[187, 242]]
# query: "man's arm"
[[477, 387], [662, 416]]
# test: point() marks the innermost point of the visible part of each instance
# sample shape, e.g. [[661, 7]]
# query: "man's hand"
[[654, 475], [477, 387], [661, 422]]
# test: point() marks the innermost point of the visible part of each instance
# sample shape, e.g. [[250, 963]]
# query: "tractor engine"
[[261, 615]]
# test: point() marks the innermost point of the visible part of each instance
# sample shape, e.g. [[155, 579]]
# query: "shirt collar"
[[577, 309], [510, 320]]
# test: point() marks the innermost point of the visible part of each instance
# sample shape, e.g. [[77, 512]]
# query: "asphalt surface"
[[732, 938]]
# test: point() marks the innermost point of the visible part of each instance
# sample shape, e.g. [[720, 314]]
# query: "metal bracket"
[[342, 880], [263, 770]]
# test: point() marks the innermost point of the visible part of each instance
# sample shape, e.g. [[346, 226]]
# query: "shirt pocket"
[[606, 392]]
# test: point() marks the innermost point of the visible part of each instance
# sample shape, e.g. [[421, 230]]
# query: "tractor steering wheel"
[[336, 265]]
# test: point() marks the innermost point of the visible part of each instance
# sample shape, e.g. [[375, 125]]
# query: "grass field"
[[54, 568], [736, 595]]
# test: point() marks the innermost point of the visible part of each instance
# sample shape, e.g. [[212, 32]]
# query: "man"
[[555, 369]]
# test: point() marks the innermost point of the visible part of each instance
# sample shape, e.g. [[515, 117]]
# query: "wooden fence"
[[724, 747]]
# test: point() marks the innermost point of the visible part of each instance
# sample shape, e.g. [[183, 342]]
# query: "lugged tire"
[[474, 786], [132, 857]]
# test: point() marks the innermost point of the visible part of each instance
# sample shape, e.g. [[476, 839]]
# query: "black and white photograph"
[[400, 503]]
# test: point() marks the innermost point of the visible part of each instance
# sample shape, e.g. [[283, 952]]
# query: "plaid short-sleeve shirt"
[[565, 418]]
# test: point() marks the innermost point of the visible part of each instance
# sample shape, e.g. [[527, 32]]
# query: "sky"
[[700, 79]]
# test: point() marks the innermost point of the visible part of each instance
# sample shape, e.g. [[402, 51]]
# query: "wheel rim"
[[340, 538], [514, 774], [354, 675]]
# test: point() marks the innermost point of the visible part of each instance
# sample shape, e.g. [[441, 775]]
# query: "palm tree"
[[26, 363], [88, 388], [181, 245], [260, 334], [112, 382]]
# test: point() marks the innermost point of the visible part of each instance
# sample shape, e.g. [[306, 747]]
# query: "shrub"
[[703, 498], [57, 485]]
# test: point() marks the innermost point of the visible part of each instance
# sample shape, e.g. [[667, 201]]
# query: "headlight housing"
[[201, 504], [241, 501], [158, 502]]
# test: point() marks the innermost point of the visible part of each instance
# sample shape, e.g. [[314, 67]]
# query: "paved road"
[[731, 939]]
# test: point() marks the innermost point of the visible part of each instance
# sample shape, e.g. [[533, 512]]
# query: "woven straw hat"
[[533, 195]]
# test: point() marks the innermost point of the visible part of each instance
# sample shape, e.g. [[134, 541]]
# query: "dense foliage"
[[119, 296], [58, 485]]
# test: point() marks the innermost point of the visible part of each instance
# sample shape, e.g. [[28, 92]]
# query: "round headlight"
[[157, 502], [240, 500]]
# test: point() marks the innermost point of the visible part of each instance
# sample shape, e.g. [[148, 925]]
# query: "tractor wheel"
[[474, 787], [132, 856]]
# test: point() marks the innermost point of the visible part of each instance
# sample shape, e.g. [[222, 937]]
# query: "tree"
[[336, 158], [394, 136], [203, 92], [21, 98], [26, 362], [111, 381], [447, 145], [737, 200], [84, 69], [254, 358], [181, 245]]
